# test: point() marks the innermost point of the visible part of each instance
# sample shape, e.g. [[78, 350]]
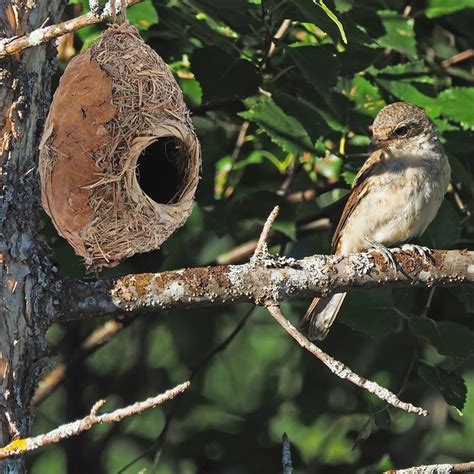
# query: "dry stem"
[[436, 469], [261, 248], [23, 445], [16, 44], [341, 370]]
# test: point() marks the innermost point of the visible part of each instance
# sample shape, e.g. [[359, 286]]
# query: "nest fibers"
[[119, 161]]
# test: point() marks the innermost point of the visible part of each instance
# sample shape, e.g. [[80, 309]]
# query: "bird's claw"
[[386, 253], [424, 252]]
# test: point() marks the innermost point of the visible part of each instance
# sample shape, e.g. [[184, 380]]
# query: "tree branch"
[[16, 44], [286, 455], [23, 445], [435, 469], [261, 249], [270, 280], [341, 370]]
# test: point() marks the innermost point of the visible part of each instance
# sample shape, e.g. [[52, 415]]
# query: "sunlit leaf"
[[453, 105], [314, 12], [400, 33], [143, 15], [444, 7]]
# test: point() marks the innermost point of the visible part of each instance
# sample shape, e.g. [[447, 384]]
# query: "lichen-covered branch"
[[23, 445], [16, 44], [341, 370], [269, 280], [435, 469]]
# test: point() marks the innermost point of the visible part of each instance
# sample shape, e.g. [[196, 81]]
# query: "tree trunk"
[[27, 275]]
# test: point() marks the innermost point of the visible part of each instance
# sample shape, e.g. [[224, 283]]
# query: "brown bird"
[[394, 197]]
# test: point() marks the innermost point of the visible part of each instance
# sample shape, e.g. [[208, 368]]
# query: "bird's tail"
[[321, 314]]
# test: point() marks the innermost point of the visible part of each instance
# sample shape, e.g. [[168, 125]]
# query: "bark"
[[265, 280], [26, 303]]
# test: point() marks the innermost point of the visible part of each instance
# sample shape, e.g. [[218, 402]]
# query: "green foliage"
[[274, 121], [444, 7], [451, 386], [283, 129], [222, 75], [143, 15]]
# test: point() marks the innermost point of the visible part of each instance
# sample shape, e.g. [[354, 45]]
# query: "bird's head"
[[401, 126]]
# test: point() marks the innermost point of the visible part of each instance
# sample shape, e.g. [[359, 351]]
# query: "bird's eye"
[[401, 131]]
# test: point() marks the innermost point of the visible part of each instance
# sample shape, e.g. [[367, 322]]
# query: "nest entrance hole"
[[159, 170]]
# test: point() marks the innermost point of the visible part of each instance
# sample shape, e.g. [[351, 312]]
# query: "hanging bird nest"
[[119, 160]]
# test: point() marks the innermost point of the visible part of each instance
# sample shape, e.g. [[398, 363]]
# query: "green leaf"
[[88, 35], [287, 228], [284, 130], [319, 66], [223, 76], [449, 339], [451, 386], [445, 229], [366, 96], [453, 105], [344, 5], [143, 15], [235, 13], [409, 93], [313, 12], [357, 57], [445, 7], [178, 24], [372, 312], [334, 18], [302, 111], [400, 33]]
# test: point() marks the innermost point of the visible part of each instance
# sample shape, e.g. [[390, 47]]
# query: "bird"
[[394, 197]]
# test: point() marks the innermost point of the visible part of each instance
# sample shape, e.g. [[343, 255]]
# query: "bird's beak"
[[375, 145]]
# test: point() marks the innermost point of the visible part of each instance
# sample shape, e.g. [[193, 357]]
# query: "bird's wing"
[[360, 188]]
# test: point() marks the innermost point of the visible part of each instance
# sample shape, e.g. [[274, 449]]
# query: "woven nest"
[[119, 160]]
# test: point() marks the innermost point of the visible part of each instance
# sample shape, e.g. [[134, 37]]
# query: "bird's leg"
[[386, 252]]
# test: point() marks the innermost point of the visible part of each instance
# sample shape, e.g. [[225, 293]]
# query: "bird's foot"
[[424, 252], [386, 252]]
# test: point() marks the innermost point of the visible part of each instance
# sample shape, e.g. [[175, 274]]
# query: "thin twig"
[[435, 469], [23, 445], [261, 247], [457, 58], [278, 36], [244, 251], [16, 44], [286, 455], [240, 139], [341, 370]]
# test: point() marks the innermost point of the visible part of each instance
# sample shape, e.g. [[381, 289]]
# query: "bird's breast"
[[400, 201]]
